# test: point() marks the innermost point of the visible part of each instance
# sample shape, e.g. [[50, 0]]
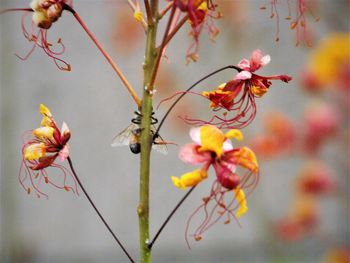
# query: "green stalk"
[[146, 137]]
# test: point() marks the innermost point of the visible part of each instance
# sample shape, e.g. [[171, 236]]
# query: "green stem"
[[146, 137]]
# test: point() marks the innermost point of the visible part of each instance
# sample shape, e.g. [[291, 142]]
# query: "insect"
[[132, 134]]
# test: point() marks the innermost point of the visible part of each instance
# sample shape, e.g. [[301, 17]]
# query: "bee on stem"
[[132, 136]]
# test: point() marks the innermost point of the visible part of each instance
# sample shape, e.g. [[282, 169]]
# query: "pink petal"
[[63, 153], [64, 128], [190, 155], [227, 146], [195, 135], [243, 75], [256, 60], [65, 133], [244, 64], [265, 60]]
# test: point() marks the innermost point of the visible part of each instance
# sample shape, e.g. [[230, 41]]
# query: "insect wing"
[[159, 144], [123, 138]]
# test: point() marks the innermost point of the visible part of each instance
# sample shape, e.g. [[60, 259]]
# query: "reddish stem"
[[106, 55], [15, 9]]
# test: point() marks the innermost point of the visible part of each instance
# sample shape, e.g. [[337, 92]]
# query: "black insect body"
[[132, 134]]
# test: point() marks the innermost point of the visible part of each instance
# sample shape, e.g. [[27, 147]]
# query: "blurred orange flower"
[[315, 178]]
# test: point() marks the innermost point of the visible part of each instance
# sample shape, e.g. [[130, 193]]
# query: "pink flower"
[[238, 95], [40, 151], [212, 147]]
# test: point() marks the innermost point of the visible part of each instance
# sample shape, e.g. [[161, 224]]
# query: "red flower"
[[238, 95]]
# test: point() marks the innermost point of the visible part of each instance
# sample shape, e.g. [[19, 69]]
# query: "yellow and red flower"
[[40, 151], [212, 147], [238, 95]]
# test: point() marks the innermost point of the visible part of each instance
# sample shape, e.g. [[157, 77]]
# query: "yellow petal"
[[189, 179], [34, 151], [45, 110], [212, 139], [246, 158], [43, 133], [242, 202], [234, 133], [203, 6], [258, 91], [46, 121]]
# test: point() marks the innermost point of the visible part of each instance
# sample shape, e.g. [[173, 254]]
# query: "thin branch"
[[176, 28], [97, 211], [150, 245], [165, 10], [133, 8], [190, 88], [106, 55]]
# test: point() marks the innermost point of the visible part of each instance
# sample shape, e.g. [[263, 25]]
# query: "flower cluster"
[[238, 95], [200, 14], [212, 147], [46, 144]]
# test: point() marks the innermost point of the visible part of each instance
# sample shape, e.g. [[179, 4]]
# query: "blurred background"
[[299, 212]]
